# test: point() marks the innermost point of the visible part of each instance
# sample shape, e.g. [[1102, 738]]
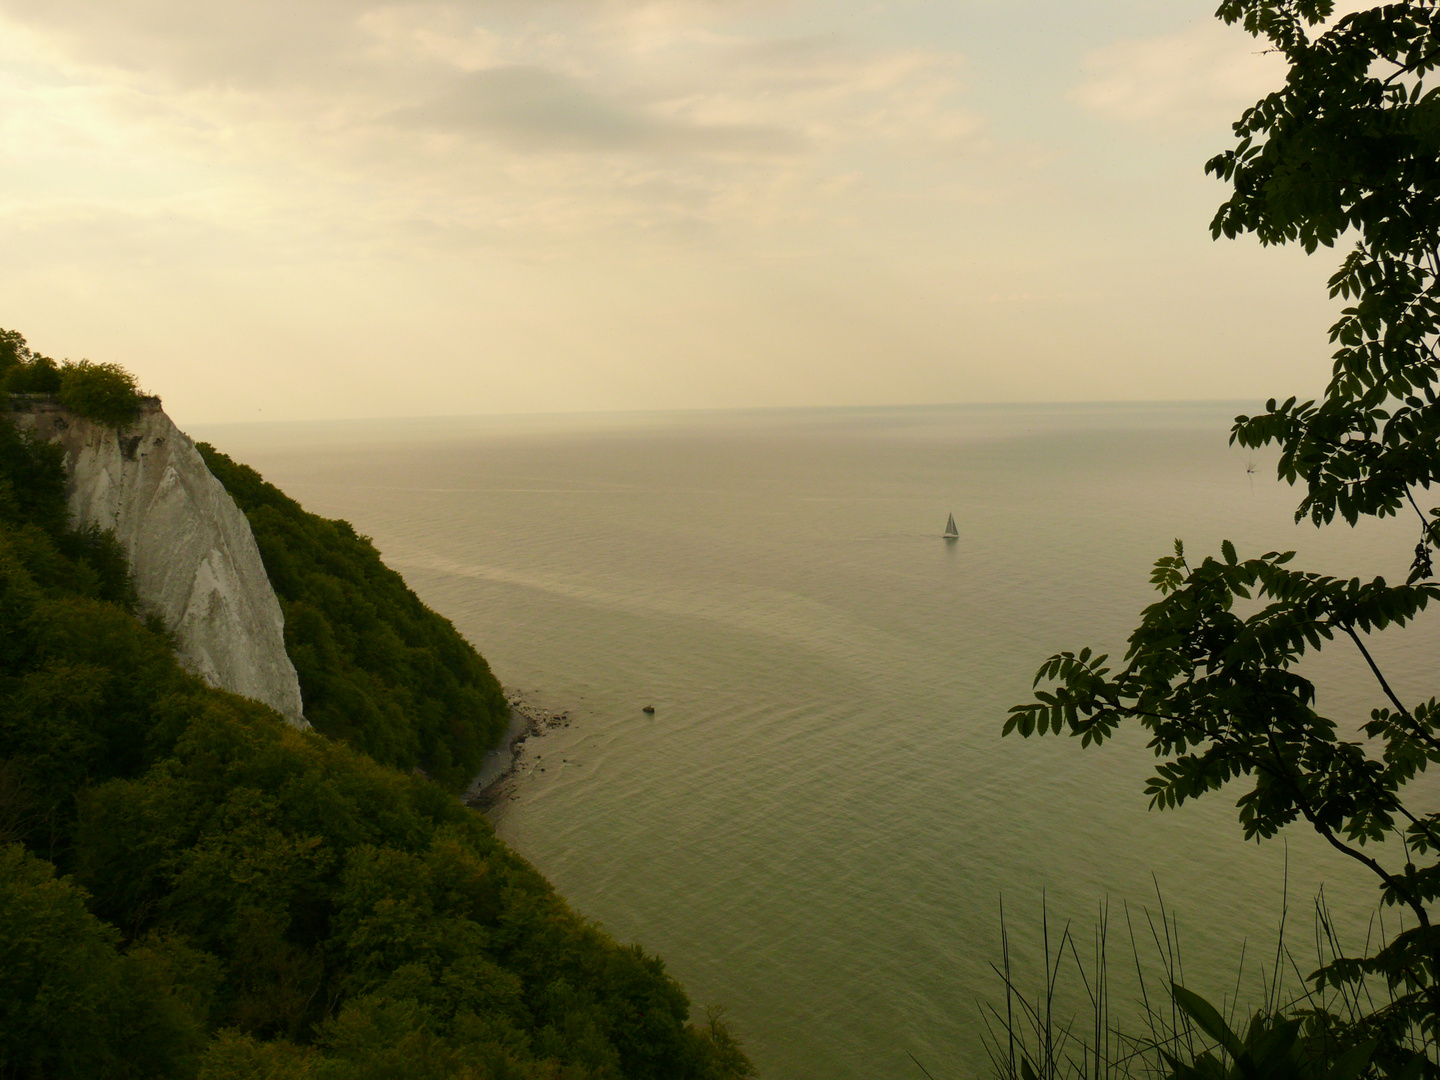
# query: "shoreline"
[[492, 784]]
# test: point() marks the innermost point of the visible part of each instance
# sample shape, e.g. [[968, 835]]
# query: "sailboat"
[[951, 532]]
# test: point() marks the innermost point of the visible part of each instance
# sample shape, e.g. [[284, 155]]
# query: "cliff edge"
[[191, 551]]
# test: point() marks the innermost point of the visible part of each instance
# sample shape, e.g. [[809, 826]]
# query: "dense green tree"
[[103, 392], [32, 482], [13, 349], [33, 374], [72, 1004], [1348, 149], [369, 913]]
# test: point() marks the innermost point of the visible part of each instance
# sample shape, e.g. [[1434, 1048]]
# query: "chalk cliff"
[[192, 554]]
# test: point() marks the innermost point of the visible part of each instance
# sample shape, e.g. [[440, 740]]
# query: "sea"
[[819, 827]]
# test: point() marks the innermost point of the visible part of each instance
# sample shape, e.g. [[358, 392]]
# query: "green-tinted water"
[[816, 825]]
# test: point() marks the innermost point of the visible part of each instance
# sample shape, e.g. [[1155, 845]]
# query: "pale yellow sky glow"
[[347, 209]]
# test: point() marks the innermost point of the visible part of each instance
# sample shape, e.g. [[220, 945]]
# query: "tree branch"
[[1424, 735], [1391, 882], [1424, 523]]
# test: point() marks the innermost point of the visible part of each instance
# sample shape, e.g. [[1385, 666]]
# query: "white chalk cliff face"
[[191, 551]]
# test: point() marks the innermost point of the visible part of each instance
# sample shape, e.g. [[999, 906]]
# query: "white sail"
[[950, 529]]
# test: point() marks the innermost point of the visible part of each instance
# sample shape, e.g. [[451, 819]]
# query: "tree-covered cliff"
[[189, 887], [377, 667]]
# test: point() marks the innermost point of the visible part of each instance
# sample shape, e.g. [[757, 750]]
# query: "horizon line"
[[735, 410]]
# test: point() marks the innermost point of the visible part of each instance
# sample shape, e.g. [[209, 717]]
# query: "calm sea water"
[[818, 823]]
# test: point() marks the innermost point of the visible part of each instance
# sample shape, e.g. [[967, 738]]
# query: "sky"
[[279, 211]]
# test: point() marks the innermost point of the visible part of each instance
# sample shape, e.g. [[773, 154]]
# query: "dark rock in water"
[[649, 709]]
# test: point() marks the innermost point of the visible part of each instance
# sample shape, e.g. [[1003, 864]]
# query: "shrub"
[[105, 393], [33, 374], [13, 349]]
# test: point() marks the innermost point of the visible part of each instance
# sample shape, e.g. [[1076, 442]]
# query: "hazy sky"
[[281, 210]]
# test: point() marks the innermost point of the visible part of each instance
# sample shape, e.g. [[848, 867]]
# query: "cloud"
[[1200, 76], [536, 110], [258, 44], [583, 203], [477, 119]]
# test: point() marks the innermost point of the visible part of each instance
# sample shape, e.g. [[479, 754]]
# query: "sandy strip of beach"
[[527, 721]]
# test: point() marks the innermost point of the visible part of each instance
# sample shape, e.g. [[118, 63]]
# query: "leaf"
[[1228, 550], [1412, 1070], [1352, 1063], [1209, 1020]]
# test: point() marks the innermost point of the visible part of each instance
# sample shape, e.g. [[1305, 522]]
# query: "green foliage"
[[71, 1003], [23, 371], [1349, 147], [32, 481], [13, 349], [1221, 699], [247, 899], [377, 667], [366, 912], [1273, 1047], [1176, 1034], [105, 393], [36, 374]]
